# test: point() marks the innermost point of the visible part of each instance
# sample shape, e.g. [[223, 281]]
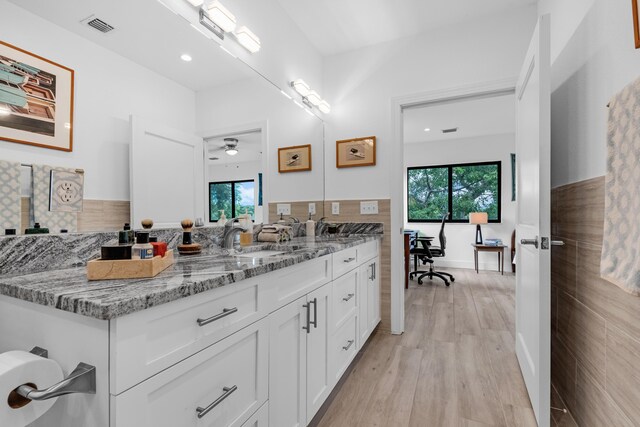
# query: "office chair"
[[426, 253]]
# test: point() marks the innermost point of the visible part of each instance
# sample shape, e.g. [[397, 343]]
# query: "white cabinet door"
[[319, 381], [373, 294], [288, 364], [364, 289]]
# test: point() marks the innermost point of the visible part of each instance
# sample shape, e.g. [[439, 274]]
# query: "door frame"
[[261, 126], [398, 104]]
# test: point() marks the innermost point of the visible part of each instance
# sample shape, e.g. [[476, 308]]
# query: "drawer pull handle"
[[225, 312], [351, 259], [348, 297], [315, 312], [227, 392], [349, 344], [308, 327]]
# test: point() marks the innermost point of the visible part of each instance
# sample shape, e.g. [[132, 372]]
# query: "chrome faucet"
[[230, 233]]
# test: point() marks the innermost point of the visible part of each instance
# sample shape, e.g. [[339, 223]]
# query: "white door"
[[318, 375], [166, 174], [288, 365], [533, 278]]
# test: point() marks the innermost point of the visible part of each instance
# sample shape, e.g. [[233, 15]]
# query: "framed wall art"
[[294, 159], [356, 152], [36, 100]]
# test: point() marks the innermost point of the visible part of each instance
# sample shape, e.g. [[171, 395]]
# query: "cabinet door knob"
[[350, 259]]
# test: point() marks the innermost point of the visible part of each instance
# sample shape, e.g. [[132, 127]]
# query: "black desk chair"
[[422, 250]]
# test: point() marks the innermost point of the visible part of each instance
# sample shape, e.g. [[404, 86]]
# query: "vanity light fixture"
[[248, 40], [301, 87], [221, 16], [324, 107], [186, 57], [314, 98], [196, 3]]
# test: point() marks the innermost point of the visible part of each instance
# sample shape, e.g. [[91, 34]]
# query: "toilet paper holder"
[[81, 380]]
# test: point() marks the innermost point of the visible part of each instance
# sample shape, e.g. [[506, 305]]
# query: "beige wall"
[[97, 215], [595, 325]]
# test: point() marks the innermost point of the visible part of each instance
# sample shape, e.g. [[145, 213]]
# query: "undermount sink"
[[260, 254]]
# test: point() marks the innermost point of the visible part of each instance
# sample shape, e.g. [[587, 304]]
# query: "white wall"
[[361, 84], [108, 88], [459, 253], [251, 101], [242, 171], [593, 57]]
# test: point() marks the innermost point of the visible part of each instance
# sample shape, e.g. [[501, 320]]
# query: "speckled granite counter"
[[69, 289]]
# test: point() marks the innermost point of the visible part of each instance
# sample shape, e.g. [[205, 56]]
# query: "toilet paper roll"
[[18, 368]]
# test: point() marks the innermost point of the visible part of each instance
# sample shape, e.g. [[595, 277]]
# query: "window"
[[432, 191], [233, 197]]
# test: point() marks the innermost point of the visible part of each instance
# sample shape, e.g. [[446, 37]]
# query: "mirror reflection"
[[174, 108]]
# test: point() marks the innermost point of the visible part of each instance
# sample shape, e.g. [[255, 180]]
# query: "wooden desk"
[[484, 248]]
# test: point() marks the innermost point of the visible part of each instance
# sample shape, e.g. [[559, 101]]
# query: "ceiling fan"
[[230, 147]]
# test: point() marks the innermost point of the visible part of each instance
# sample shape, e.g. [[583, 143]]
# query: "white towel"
[[9, 195], [620, 262]]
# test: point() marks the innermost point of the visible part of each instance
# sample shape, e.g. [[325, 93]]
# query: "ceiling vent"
[[97, 24], [450, 130]]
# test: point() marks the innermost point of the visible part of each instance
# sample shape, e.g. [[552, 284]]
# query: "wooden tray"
[[98, 269]]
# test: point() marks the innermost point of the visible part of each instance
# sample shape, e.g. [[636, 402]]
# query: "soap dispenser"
[[311, 227], [223, 218], [281, 220]]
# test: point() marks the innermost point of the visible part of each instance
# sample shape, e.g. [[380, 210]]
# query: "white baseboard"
[[483, 266]]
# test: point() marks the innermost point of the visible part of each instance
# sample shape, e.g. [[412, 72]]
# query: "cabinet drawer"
[[146, 342], [367, 251], [222, 385], [344, 348], [345, 261], [260, 418], [344, 298], [289, 284]]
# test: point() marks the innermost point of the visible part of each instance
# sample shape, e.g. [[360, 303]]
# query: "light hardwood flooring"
[[454, 366]]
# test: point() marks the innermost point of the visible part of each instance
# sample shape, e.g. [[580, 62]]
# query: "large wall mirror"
[[214, 149]]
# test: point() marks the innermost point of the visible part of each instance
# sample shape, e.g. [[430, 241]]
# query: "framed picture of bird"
[[294, 159], [356, 152], [636, 25]]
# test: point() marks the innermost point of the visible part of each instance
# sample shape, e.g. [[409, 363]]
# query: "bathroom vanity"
[[253, 339]]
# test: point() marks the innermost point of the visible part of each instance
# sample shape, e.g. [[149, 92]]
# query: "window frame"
[[449, 168], [233, 195]]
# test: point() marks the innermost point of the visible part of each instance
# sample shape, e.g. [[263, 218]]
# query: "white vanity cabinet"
[[300, 379], [266, 351]]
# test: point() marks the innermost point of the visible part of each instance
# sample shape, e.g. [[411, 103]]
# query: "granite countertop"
[[69, 289]]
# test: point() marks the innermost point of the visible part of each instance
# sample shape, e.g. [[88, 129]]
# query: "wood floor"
[[454, 366]]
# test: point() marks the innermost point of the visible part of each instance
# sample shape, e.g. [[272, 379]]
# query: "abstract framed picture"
[[36, 100], [294, 159], [636, 24], [356, 152]]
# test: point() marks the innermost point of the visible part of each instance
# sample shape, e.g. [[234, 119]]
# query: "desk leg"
[[498, 262], [475, 259], [503, 261]]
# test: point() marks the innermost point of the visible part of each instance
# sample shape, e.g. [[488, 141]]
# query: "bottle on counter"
[[311, 227], [223, 218], [142, 249], [246, 237]]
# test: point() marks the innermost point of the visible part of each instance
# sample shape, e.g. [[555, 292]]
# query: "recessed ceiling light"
[[427, 129], [185, 57]]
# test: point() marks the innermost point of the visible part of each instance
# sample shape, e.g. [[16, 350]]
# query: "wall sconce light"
[[196, 3], [221, 16], [248, 40], [301, 87], [324, 107], [310, 97]]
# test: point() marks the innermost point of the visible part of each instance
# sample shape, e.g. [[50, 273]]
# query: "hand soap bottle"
[[223, 218], [311, 227], [246, 237], [142, 249]]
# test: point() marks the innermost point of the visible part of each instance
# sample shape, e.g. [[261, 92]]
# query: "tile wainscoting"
[[350, 212], [595, 325]]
